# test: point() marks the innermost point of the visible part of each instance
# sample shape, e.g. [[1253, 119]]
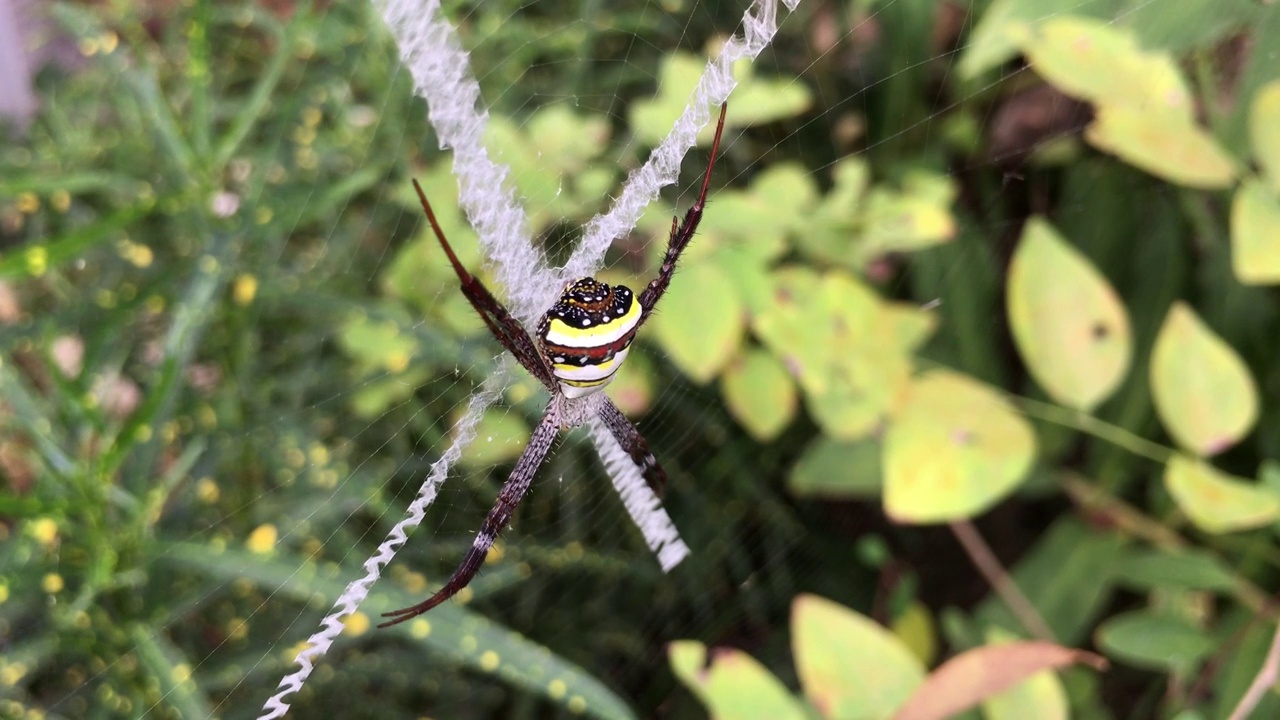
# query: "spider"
[[582, 340]]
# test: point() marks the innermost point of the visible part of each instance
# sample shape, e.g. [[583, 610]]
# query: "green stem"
[[1098, 428]]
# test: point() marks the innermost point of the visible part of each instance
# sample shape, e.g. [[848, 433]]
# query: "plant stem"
[[987, 563], [1098, 428]]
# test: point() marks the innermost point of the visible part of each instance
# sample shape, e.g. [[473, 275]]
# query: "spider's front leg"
[[681, 234], [505, 329], [508, 500]]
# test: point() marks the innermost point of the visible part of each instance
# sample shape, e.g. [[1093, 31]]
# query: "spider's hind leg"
[[508, 500], [636, 446]]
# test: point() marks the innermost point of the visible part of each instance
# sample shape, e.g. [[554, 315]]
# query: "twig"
[[1131, 521], [999, 579], [1266, 677]]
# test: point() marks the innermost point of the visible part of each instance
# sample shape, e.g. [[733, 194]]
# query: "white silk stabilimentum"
[[430, 49]]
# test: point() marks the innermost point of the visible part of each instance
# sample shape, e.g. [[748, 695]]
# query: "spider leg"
[[636, 446], [505, 328], [508, 500], [681, 234]]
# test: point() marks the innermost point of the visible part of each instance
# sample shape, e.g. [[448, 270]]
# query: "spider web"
[[439, 47], [430, 49]]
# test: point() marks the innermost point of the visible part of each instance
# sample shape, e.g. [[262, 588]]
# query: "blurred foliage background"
[[973, 346]]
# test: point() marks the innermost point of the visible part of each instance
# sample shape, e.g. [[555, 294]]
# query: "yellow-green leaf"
[[901, 222], [862, 362], [700, 323], [955, 450], [755, 100], [857, 394], [1069, 324], [1215, 501], [784, 320], [733, 685], [1255, 234], [1098, 61], [1203, 392], [995, 38], [916, 629], [1264, 131], [1168, 146], [565, 138], [759, 100], [850, 667], [759, 393]]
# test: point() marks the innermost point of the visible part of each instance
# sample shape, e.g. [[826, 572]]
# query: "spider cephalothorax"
[[582, 340], [587, 333]]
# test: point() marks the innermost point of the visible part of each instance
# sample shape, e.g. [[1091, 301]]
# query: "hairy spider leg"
[[629, 437], [508, 500], [680, 235], [505, 328]]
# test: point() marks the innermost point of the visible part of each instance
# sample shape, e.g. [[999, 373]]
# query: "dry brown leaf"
[[971, 677]]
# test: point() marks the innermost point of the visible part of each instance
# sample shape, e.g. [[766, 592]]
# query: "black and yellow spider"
[[582, 340]]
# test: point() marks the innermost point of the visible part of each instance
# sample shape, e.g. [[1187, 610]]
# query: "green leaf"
[[829, 232], [732, 684], [1187, 24], [1068, 576], [1264, 131], [378, 345], [501, 436], [1154, 641], [1255, 234], [837, 469], [956, 449], [456, 635], [850, 667], [759, 393], [567, 139], [35, 259], [171, 671], [1188, 569], [701, 322], [1231, 680], [1215, 501], [373, 398], [1069, 324], [1167, 146], [1203, 392]]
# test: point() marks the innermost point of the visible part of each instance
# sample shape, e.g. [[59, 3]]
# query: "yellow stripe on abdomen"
[[596, 333]]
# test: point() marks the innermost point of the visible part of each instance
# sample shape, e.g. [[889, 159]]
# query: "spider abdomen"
[[587, 333]]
